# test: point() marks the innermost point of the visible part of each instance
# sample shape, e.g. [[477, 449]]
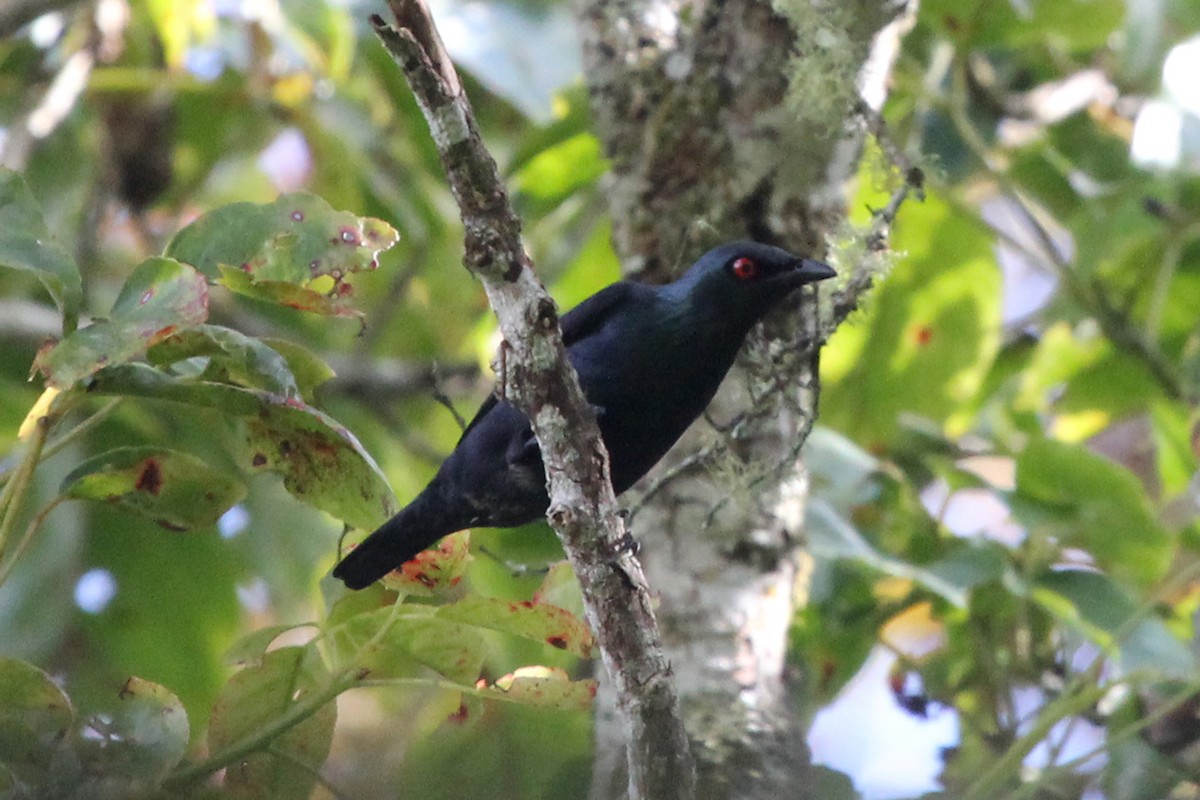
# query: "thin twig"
[[17, 492], [6, 567], [79, 430]]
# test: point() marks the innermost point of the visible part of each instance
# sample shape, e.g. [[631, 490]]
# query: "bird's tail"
[[415, 528]]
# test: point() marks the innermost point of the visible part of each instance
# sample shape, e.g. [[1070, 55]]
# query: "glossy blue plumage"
[[649, 359]]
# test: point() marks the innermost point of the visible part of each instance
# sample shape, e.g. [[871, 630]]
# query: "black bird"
[[649, 358]]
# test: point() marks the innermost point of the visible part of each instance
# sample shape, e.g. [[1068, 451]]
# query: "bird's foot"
[[628, 544]]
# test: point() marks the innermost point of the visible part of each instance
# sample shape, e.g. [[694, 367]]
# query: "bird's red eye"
[[745, 269]]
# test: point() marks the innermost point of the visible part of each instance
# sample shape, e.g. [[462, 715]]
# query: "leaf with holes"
[[176, 490], [290, 295], [34, 716], [296, 251], [540, 622], [254, 698], [161, 297], [25, 244]]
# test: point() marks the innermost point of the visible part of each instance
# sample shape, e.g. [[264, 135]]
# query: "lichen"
[[823, 70]]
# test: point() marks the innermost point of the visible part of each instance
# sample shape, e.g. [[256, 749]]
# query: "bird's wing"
[[583, 319], [487, 406], [576, 324]]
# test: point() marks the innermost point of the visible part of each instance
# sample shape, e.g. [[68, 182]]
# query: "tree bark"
[[536, 376], [730, 120]]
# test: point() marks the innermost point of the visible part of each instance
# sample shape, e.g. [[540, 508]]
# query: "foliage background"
[[1018, 394]]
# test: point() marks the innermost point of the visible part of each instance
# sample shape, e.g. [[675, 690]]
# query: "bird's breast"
[[649, 396]]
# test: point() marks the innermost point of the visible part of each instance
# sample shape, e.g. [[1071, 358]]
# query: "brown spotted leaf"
[[434, 571], [540, 622], [545, 687], [292, 295], [296, 251], [320, 461], [176, 490], [161, 297]]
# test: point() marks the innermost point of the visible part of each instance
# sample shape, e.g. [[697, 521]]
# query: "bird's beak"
[[805, 270]]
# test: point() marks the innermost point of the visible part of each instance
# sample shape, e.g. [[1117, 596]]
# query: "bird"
[[649, 361]]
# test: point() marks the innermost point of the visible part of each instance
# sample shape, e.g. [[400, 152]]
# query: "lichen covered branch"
[[538, 379]]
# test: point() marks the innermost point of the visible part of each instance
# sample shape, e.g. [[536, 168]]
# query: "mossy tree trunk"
[[730, 120]]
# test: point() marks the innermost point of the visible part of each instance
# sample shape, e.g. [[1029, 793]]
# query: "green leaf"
[[278, 251], [320, 461], [34, 716], [831, 536], [143, 738], [1176, 459], [540, 622], [560, 588], [25, 244], [415, 635], [931, 333], [252, 646], [161, 297], [140, 380], [835, 631], [1084, 500], [176, 490], [307, 368], [543, 687], [1059, 355], [1134, 770], [1104, 613], [853, 490], [561, 170], [233, 358], [253, 698], [1074, 25]]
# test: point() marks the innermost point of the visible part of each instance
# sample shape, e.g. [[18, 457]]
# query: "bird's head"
[[747, 278]]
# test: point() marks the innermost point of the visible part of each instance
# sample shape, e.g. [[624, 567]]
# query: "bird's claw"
[[628, 544]]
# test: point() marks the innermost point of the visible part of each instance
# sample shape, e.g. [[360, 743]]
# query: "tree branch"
[[538, 379]]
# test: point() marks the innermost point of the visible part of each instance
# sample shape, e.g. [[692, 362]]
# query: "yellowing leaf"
[[545, 687], [296, 251]]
